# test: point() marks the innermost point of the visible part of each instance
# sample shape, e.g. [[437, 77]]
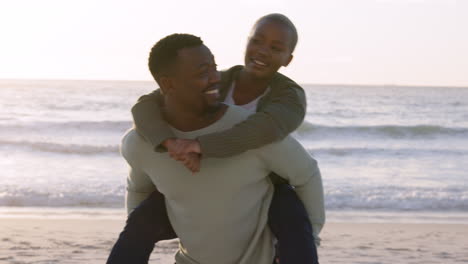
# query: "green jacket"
[[279, 113]]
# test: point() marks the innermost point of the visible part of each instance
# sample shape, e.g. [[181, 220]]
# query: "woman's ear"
[[289, 60]]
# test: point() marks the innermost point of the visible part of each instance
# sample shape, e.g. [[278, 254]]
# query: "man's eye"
[[203, 73], [276, 48]]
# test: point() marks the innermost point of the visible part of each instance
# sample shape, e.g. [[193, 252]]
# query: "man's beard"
[[213, 109]]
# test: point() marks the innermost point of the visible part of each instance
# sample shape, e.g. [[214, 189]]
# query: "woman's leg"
[[145, 226], [290, 224]]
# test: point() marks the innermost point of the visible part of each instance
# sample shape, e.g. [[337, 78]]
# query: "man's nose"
[[215, 76]]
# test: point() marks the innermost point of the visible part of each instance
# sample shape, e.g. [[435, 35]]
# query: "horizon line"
[[313, 84]]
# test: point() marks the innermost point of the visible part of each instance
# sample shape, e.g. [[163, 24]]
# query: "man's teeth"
[[215, 91], [259, 62]]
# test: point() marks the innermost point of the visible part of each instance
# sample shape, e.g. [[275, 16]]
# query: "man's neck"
[[185, 120]]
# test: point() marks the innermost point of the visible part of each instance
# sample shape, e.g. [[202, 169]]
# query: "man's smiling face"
[[268, 48], [195, 79]]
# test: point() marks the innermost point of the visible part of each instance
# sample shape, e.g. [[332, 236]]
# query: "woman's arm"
[[278, 114], [151, 125], [149, 121]]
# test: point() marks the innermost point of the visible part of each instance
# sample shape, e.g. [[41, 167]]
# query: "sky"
[[383, 42]]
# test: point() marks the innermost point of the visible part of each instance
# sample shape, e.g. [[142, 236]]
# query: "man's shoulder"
[[290, 149], [131, 136], [132, 141]]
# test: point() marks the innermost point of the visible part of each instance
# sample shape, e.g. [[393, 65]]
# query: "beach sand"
[[29, 240]]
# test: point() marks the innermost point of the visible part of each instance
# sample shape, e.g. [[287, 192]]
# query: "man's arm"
[[279, 114], [290, 160], [139, 184], [139, 187]]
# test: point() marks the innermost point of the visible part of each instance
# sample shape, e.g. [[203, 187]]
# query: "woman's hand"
[[180, 146], [186, 151], [192, 162]]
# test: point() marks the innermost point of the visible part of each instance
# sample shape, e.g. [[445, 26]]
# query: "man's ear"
[[165, 84], [289, 60]]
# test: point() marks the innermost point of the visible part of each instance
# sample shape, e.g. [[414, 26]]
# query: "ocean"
[[386, 153]]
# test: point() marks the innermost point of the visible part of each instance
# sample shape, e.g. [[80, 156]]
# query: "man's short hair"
[[164, 52], [283, 20]]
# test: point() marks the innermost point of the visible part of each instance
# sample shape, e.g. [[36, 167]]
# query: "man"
[[220, 214]]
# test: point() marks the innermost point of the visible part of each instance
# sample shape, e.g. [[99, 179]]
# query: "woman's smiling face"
[[268, 48]]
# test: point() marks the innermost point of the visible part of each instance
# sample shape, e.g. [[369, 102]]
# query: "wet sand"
[[29, 240]]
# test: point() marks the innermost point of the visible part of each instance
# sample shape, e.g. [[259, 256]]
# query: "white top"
[[251, 106]]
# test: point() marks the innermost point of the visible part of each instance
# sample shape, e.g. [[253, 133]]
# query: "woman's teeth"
[[259, 63], [215, 91]]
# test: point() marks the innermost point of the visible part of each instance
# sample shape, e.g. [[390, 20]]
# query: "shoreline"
[[333, 216]]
